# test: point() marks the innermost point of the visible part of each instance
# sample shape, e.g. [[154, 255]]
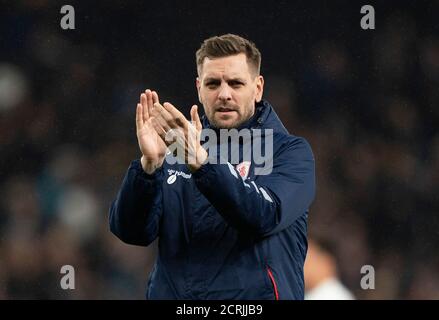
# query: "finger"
[[149, 100], [139, 117], [158, 128], [177, 116], [172, 110], [163, 114], [145, 113], [196, 118], [155, 99]]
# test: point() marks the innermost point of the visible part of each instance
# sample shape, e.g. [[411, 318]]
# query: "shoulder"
[[293, 145]]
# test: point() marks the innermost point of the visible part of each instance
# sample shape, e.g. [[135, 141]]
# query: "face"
[[228, 90]]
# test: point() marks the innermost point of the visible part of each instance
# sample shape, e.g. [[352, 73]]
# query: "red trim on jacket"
[[270, 274]]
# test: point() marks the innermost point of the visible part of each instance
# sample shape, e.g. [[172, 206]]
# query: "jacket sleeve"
[[135, 213], [268, 204]]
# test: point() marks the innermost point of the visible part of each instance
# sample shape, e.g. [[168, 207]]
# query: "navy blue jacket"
[[221, 236]]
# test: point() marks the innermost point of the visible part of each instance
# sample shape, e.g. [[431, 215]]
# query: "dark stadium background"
[[366, 100]]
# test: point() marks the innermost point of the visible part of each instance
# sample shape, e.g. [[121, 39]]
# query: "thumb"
[[195, 117]]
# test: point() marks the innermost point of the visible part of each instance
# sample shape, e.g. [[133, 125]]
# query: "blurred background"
[[366, 100]]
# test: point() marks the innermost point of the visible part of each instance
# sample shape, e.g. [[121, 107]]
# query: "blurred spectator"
[[322, 281]]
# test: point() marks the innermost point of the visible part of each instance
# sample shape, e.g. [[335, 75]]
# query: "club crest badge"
[[243, 168]]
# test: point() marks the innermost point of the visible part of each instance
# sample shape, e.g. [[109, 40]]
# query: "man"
[[321, 273], [225, 230]]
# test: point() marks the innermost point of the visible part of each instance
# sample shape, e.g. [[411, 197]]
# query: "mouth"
[[225, 110]]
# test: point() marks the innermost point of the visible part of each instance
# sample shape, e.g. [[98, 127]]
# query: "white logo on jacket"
[[173, 174]]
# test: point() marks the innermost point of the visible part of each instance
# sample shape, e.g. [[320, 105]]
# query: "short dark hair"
[[228, 45], [325, 244]]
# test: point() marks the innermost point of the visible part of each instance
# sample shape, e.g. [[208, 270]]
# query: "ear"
[[259, 88], [198, 85]]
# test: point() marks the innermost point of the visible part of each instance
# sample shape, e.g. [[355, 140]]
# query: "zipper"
[[273, 282]]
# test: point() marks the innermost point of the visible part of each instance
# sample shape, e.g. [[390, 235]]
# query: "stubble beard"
[[220, 124]]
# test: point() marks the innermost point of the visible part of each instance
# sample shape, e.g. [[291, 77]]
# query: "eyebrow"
[[212, 79]]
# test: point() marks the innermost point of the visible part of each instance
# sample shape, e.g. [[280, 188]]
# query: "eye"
[[236, 84], [212, 84]]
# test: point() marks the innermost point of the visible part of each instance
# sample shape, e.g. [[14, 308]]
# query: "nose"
[[225, 93]]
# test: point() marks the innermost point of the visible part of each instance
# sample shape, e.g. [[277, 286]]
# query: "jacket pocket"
[[273, 282]]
